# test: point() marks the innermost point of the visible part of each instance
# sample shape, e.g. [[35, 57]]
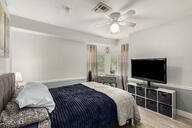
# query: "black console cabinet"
[[152, 105], [131, 89], [165, 109], [140, 101], [152, 94], [140, 91], [165, 97], [158, 100]]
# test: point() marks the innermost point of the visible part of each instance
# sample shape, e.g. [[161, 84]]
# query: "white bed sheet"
[[126, 105]]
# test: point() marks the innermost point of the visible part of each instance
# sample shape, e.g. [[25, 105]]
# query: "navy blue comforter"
[[78, 106]]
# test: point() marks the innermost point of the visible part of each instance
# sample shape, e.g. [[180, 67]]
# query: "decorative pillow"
[[25, 116], [35, 95], [12, 107], [45, 124]]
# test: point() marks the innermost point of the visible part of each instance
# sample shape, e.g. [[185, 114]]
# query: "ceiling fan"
[[116, 19]]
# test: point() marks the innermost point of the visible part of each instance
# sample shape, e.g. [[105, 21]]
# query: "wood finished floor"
[[150, 119]]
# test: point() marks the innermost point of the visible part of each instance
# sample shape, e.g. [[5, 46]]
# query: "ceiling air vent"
[[101, 8]]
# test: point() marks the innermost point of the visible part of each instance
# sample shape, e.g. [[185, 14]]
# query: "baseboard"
[[63, 82], [64, 79], [184, 114]]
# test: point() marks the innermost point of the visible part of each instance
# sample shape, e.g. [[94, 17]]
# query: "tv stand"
[[148, 85], [159, 100]]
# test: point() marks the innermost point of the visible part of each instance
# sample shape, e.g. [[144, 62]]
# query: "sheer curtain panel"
[[92, 61], [124, 65]]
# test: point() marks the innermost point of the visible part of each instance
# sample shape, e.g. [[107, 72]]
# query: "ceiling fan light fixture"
[[114, 28]]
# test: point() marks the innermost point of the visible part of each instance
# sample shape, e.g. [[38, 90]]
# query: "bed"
[[86, 105]]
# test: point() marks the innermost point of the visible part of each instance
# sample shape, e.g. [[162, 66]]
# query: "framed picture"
[[4, 33]]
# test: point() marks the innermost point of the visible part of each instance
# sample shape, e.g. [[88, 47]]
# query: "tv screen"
[[153, 70]]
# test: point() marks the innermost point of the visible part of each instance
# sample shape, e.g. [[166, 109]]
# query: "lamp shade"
[[18, 77]]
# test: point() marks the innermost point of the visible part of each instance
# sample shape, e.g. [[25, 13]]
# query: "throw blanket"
[[23, 117], [126, 106], [78, 106]]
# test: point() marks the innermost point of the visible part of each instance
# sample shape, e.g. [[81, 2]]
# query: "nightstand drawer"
[[131, 89], [111, 80], [152, 105], [164, 97], [165, 110], [151, 94], [140, 91], [140, 101], [100, 79]]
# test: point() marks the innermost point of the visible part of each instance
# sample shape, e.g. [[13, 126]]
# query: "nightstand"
[[107, 80]]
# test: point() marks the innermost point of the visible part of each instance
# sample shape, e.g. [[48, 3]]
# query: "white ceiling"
[[148, 13]]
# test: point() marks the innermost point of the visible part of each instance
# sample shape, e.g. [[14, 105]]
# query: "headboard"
[[7, 89]]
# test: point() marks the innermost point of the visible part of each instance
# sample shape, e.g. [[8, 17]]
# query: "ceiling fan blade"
[[123, 19], [127, 6], [130, 24], [122, 23], [129, 13], [142, 17]]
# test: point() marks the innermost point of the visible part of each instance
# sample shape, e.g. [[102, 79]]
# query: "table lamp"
[[18, 78]]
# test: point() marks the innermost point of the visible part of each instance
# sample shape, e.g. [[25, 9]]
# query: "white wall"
[[4, 65], [41, 57], [28, 24], [45, 52], [173, 41], [4, 62]]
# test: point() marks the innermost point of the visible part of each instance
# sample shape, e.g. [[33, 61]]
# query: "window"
[[115, 63], [109, 63], [101, 63]]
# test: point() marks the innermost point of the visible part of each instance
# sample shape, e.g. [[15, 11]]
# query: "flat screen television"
[[150, 70]]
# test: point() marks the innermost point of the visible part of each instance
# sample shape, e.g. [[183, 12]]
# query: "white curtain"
[[92, 61], [124, 65]]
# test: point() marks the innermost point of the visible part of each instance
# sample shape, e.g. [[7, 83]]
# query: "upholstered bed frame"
[[7, 89]]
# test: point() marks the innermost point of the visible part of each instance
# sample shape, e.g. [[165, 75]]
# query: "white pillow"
[[35, 95]]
